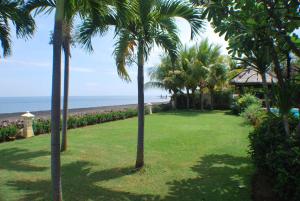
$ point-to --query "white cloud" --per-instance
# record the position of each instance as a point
(22, 63)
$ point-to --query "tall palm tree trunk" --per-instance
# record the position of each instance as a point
(55, 104)
(141, 119)
(187, 98)
(266, 92)
(66, 95)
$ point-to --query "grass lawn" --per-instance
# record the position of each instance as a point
(190, 156)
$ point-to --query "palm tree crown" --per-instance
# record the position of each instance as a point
(13, 11)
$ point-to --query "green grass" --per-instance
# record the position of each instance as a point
(190, 156)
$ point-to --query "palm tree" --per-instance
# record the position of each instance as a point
(216, 77)
(169, 76)
(141, 24)
(13, 11)
(82, 8)
(55, 103)
(186, 57)
(193, 71)
(211, 68)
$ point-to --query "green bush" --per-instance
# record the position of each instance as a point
(240, 104)
(222, 101)
(278, 156)
(8, 131)
(254, 114)
(161, 108)
(42, 126)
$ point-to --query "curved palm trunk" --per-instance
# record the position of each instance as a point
(55, 104)
(266, 91)
(187, 98)
(66, 96)
(141, 119)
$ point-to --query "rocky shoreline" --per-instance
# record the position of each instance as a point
(46, 114)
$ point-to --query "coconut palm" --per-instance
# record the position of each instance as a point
(216, 77)
(214, 71)
(168, 76)
(73, 8)
(193, 72)
(13, 12)
(141, 24)
(186, 58)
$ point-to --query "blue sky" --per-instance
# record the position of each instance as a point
(27, 72)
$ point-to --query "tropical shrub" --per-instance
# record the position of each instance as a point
(7, 132)
(240, 104)
(161, 108)
(222, 101)
(254, 114)
(278, 155)
(42, 126)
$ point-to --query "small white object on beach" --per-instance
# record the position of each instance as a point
(150, 107)
(27, 130)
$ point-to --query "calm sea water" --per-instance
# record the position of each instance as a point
(22, 104)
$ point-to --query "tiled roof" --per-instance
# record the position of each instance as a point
(250, 76)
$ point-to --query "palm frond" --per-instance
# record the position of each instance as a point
(152, 84)
(14, 12)
(182, 9)
(124, 48)
(5, 38)
(40, 6)
(169, 43)
(87, 30)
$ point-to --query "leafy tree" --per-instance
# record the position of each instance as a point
(284, 17)
(241, 19)
(12, 11)
(186, 58)
(216, 77)
(168, 75)
(212, 71)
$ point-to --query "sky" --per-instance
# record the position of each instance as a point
(28, 71)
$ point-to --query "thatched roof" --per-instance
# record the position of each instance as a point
(252, 77)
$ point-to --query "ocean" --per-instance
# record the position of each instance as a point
(33, 104)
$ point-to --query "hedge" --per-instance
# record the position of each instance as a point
(222, 101)
(10, 130)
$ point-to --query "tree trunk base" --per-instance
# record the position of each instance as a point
(139, 165)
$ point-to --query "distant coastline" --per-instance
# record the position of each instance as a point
(46, 113)
(37, 104)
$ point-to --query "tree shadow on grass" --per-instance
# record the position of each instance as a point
(189, 113)
(219, 178)
(79, 183)
(16, 159)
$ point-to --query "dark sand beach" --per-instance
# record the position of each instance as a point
(46, 114)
